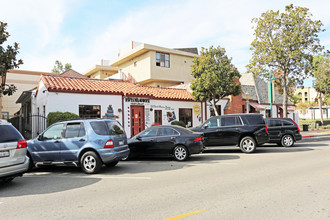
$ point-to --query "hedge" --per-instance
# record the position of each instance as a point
(310, 122)
(54, 117)
(180, 123)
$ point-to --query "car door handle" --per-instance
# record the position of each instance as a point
(82, 139)
(56, 142)
(172, 138)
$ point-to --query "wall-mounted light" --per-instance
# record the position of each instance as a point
(151, 109)
(119, 110)
(44, 91)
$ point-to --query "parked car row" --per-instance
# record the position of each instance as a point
(93, 142)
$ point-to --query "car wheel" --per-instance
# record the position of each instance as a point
(31, 164)
(112, 164)
(248, 145)
(90, 162)
(180, 153)
(287, 141)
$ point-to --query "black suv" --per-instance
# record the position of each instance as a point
(283, 131)
(244, 130)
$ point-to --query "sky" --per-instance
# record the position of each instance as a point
(83, 32)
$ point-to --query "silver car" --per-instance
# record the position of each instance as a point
(13, 159)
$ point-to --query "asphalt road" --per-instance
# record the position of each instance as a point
(273, 183)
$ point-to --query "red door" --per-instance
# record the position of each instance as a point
(137, 119)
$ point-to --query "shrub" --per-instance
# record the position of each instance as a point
(54, 117)
(180, 123)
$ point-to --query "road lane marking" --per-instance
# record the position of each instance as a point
(185, 215)
(93, 177)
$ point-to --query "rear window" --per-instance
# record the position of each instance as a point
(115, 128)
(107, 128)
(9, 134)
(230, 121)
(253, 119)
(275, 123)
(287, 123)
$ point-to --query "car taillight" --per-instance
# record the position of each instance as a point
(296, 125)
(199, 139)
(109, 144)
(21, 144)
(266, 128)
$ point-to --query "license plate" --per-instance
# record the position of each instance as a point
(4, 153)
(121, 142)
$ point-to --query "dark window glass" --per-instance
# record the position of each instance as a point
(253, 119)
(213, 122)
(166, 132)
(287, 123)
(89, 111)
(74, 130)
(228, 121)
(152, 132)
(100, 127)
(162, 59)
(158, 117)
(115, 128)
(8, 134)
(275, 123)
(54, 132)
(185, 115)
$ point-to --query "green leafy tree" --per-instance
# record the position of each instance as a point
(215, 77)
(285, 42)
(321, 71)
(8, 61)
(59, 68)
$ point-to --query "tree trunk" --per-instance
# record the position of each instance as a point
(285, 94)
(320, 107)
(0, 106)
(214, 107)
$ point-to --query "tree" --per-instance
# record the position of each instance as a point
(321, 71)
(58, 67)
(214, 76)
(8, 61)
(285, 42)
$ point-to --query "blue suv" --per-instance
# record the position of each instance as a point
(86, 143)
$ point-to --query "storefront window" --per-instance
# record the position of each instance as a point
(89, 111)
(185, 115)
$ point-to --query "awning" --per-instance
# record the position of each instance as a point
(256, 106)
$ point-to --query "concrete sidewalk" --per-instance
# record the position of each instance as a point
(315, 133)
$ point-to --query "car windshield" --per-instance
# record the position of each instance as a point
(9, 134)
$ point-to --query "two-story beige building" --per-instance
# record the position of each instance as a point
(307, 94)
(149, 65)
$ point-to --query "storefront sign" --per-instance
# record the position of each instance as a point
(128, 99)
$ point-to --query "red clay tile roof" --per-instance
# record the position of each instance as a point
(97, 86)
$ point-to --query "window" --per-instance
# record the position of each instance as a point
(100, 127)
(74, 130)
(167, 132)
(185, 115)
(115, 128)
(89, 111)
(152, 132)
(9, 134)
(158, 117)
(54, 132)
(230, 121)
(162, 59)
(275, 123)
(213, 122)
(287, 123)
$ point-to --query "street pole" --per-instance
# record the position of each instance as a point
(271, 91)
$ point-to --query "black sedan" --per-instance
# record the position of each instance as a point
(166, 140)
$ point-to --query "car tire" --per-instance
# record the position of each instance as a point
(180, 153)
(90, 162)
(112, 164)
(248, 145)
(279, 144)
(31, 164)
(287, 141)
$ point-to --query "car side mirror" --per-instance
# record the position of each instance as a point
(40, 138)
(205, 126)
(138, 138)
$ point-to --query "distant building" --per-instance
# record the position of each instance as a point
(307, 94)
(149, 65)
